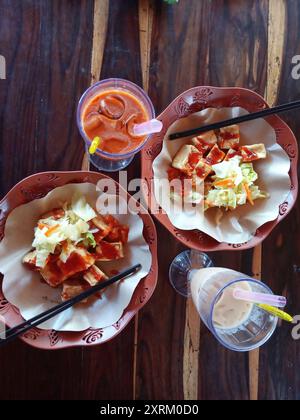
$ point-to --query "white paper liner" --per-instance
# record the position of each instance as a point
(240, 225)
(24, 288)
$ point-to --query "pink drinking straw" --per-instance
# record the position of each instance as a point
(277, 301)
(148, 127)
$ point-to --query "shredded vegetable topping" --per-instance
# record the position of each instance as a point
(71, 227)
(225, 168)
(70, 242)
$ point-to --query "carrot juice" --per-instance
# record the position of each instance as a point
(111, 115)
(108, 115)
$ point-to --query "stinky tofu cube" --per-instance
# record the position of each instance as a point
(202, 147)
(216, 155)
(205, 141)
(73, 287)
(104, 228)
(181, 160)
(229, 137)
(253, 152)
(118, 234)
(30, 260)
(109, 251)
(56, 271)
(94, 275)
(232, 153)
(111, 230)
(202, 170)
(118, 231)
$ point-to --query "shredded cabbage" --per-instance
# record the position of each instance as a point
(235, 194)
(249, 174)
(89, 240)
(222, 198)
(229, 169)
(230, 186)
(256, 193)
(82, 209)
(72, 227)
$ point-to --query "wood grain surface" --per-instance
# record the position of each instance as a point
(47, 69)
(54, 49)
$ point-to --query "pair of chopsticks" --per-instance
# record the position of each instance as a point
(238, 120)
(20, 329)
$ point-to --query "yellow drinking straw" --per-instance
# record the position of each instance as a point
(94, 145)
(276, 312)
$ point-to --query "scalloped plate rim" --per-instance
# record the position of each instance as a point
(129, 314)
(290, 199)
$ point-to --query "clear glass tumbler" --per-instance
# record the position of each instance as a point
(108, 161)
(238, 326)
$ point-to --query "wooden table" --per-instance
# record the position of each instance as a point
(54, 50)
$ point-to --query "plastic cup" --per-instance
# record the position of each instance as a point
(102, 160)
(253, 332)
(250, 331)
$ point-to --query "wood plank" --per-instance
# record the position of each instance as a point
(116, 54)
(101, 10)
(180, 374)
(145, 23)
(276, 26)
(100, 21)
(47, 49)
(122, 48)
(161, 334)
(276, 45)
(182, 55)
(67, 46)
(254, 355)
(279, 373)
(191, 352)
(171, 48)
(246, 25)
(238, 52)
(145, 33)
(224, 374)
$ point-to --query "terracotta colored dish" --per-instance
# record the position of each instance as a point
(37, 186)
(195, 100)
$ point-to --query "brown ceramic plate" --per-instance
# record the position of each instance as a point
(37, 186)
(195, 100)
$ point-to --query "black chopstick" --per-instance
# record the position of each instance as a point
(20, 329)
(238, 120)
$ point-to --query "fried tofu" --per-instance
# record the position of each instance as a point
(229, 137)
(181, 159)
(94, 275)
(232, 153)
(201, 147)
(73, 287)
(216, 155)
(76, 285)
(205, 141)
(118, 234)
(104, 228)
(110, 229)
(56, 272)
(253, 152)
(202, 170)
(109, 251)
(30, 260)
